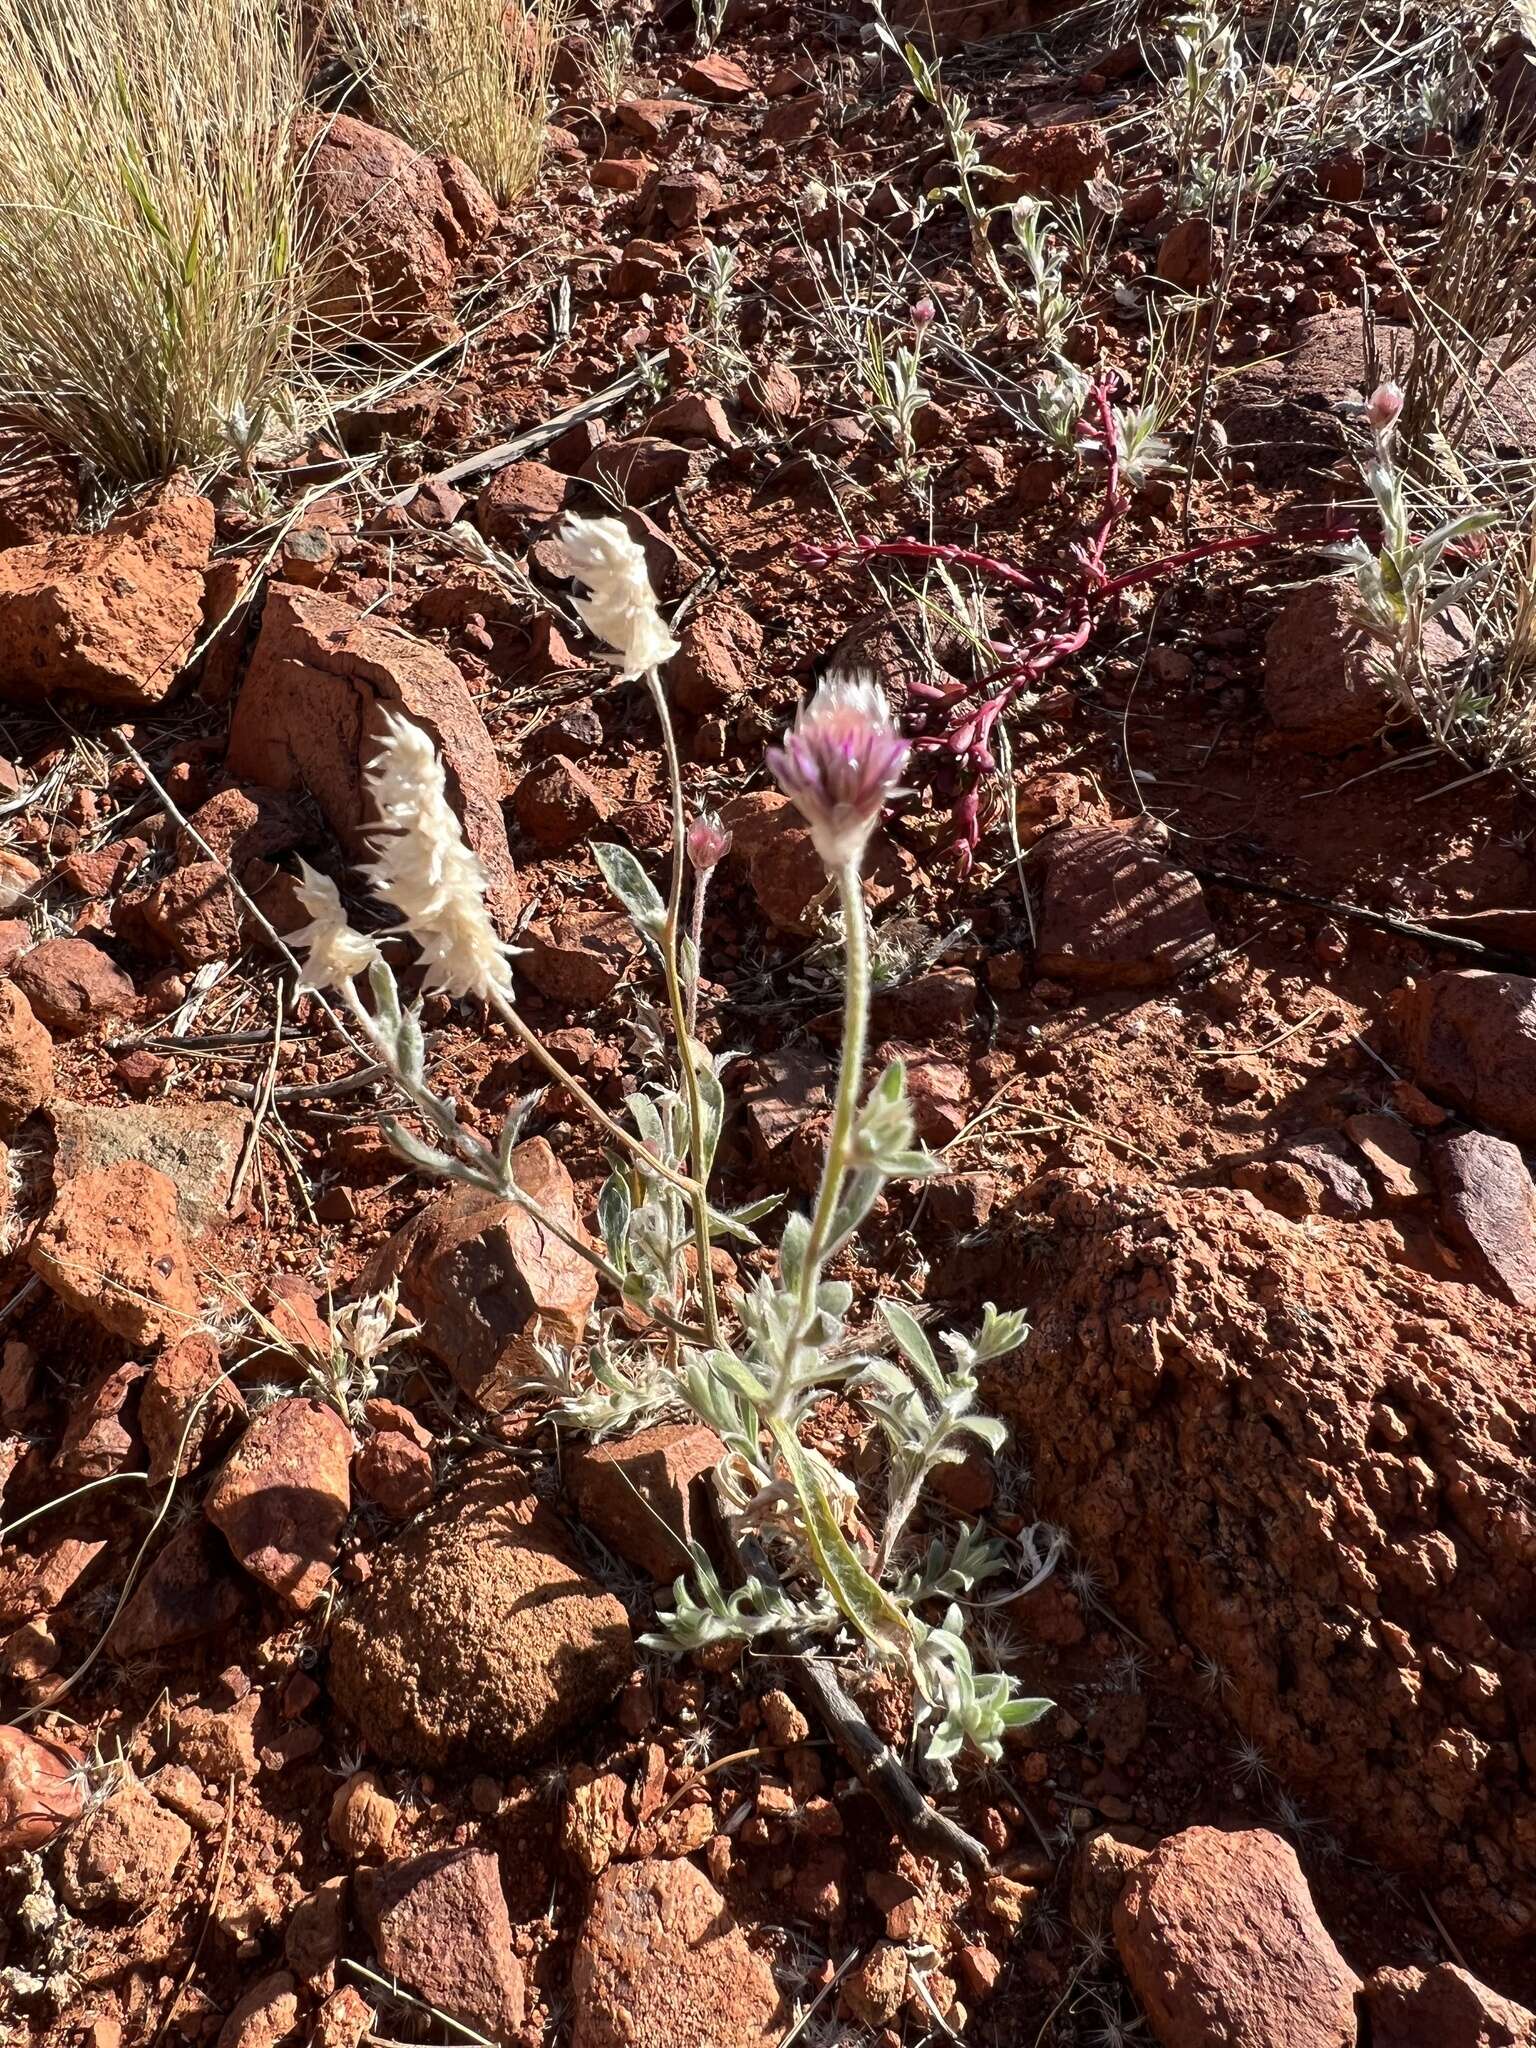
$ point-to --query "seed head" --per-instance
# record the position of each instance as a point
(708, 842)
(620, 607)
(840, 761)
(333, 951)
(422, 866)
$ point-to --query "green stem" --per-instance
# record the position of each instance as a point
(478, 1159)
(681, 1022)
(850, 896)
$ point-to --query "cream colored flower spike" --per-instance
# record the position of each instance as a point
(620, 607)
(333, 951)
(423, 868)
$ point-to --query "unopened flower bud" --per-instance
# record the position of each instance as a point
(840, 761)
(708, 842)
(922, 312)
(1383, 406)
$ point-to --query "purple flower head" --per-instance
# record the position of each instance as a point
(708, 842)
(840, 761)
(1383, 407)
(923, 312)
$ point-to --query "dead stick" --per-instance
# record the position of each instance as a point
(1404, 927)
(915, 1818)
(532, 439)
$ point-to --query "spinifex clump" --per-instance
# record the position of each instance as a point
(953, 724)
(753, 1364)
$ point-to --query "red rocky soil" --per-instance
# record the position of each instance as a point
(308, 1708)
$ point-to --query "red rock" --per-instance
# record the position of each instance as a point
(938, 1090)
(1224, 1948)
(123, 1855)
(1104, 1861)
(717, 663)
(26, 1058)
(476, 1637)
(187, 1409)
(643, 267)
(439, 1923)
(111, 1247)
(651, 119)
(581, 957)
(186, 1593)
(694, 417)
(1054, 160)
(792, 120)
(195, 1145)
(42, 1788)
(1191, 255)
(316, 1932)
(101, 1438)
(558, 804)
(715, 76)
(642, 468)
(1443, 2007)
(521, 495)
(1393, 1154)
(1319, 1403)
(575, 733)
(620, 173)
(309, 717)
(596, 1826)
(391, 227)
(771, 393)
(640, 1494)
(343, 2020)
(113, 615)
(1488, 1209)
(659, 1958)
(73, 985)
(1117, 914)
(1321, 688)
(281, 1498)
(395, 1473)
(267, 2016)
(15, 937)
(487, 1282)
(192, 915)
(1471, 1038)
(363, 1819)
(238, 825)
(687, 198)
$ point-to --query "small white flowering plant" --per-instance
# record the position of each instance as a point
(802, 1574)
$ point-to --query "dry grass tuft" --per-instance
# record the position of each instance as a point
(467, 76)
(151, 291)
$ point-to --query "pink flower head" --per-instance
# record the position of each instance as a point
(840, 761)
(922, 312)
(708, 842)
(1383, 407)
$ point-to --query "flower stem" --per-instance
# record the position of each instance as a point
(850, 897)
(682, 1019)
(480, 1162)
(531, 1042)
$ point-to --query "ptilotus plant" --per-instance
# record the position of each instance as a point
(952, 725)
(1401, 586)
(752, 1363)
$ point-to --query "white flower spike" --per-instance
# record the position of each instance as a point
(620, 607)
(423, 868)
(333, 951)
